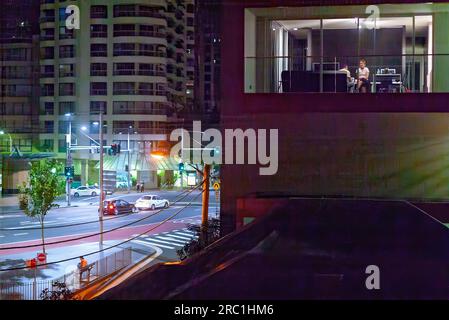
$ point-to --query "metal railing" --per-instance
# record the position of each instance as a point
(74, 281)
(422, 73)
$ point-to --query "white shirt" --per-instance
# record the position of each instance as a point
(363, 73)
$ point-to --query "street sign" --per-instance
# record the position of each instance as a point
(41, 257)
(216, 186)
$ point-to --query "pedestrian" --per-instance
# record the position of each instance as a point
(82, 264)
(142, 186)
(138, 187)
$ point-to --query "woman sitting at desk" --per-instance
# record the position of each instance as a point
(363, 77)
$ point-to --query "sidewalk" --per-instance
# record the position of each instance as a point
(57, 270)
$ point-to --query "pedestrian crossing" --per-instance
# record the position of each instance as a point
(172, 240)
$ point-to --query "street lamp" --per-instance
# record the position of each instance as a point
(68, 156)
(129, 161)
(10, 140)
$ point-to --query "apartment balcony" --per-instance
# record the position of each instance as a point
(341, 74)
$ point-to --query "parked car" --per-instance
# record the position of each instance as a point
(85, 191)
(151, 202)
(118, 206)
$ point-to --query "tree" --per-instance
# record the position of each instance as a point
(37, 197)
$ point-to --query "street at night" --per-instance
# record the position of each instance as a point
(219, 158)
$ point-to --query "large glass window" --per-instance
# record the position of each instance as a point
(343, 49)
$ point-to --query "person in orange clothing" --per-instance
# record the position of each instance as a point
(83, 263)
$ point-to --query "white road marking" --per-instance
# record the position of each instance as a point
(175, 241)
(157, 240)
(181, 237)
(186, 234)
(20, 234)
(146, 242)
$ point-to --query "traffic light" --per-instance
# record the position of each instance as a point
(69, 172)
(114, 150)
(181, 166)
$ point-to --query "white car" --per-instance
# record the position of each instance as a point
(85, 191)
(151, 202)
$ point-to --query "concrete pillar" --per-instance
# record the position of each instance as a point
(84, 172)
(441, 46)
(14, 173)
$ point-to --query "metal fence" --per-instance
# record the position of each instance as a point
(74, 280)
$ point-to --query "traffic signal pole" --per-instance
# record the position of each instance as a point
(205, 208)
(100, 211)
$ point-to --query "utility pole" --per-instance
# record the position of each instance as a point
(205, 208)
(100, 211)
(69, 161)
(129, 168)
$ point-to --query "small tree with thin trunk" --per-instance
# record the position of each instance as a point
(37, 196)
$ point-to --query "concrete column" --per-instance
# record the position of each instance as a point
(441, 46)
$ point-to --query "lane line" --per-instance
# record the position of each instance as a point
(20, 234)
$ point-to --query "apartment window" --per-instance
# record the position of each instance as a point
(66, 107)
(66, 89)
(122, 30)
(62, 145)
(98, 12)
(190, 22)
(99, 69)
(98, 31)
(49, 127)
(124, 88)
(147, 11)
(125, 10)
(46, 145)
(121, 126)
(98, 88)
(65, 33)
(124, 49)
(161, 89)
(48, 108)
(98, 50)
(121, 69)
(145, 88)
(66, 70)
(47, 53)
(67, 51)
(48, 89)
(97, 106)
(138, 107)
(47, 34)
(190, 8)
(47, 71)
(63, 15)
(48, 15)
(136, 11)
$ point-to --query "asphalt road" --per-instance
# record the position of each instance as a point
(73, 226)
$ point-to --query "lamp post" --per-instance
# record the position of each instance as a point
(129, 161)
(68, 157)
(102, 197)
(10, 140)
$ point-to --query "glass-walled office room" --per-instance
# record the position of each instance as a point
(348, 49)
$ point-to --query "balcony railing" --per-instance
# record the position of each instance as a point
(141, 33)
(419, 73)
(146, 53)
(133, 72)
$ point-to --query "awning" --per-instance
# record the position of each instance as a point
(137, 162)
